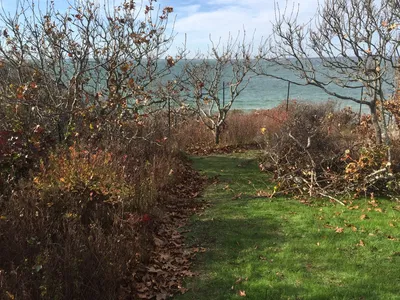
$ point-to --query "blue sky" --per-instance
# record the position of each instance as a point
(200, 18)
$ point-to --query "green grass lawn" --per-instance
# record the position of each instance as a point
(281, 248)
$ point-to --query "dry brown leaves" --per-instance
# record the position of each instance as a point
(207, 150)
(170, 258)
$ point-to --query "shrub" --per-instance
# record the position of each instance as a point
(241, 128)
(305, 152)
(75, 231)
(244, 128)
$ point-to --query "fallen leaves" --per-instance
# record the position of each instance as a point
(353, 207)
(373, 203)
(199, 249)
(158, 242)
(238, 196)
(169, 262)
(207, 150)
(263, 194)
(239, 280)
(339, 230)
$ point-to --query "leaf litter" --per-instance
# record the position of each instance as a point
(170, 260)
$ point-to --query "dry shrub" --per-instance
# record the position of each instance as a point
(369, 171)
(306, 151)
(321, 151)
(75, 230)
(82, 224)
(189, 132)
(244, 128)
(240, 129)
(49, 253)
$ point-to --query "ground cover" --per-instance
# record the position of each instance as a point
(283, 248)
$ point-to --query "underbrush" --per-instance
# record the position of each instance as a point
(321, 151)
(78, 219)
(241, 130)
(85, 204)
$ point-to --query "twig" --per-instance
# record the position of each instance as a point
(376, 173)
(313, 175)
(332, 198)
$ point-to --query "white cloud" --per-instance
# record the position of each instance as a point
(223, 17)
(199, 19)
(188, 10)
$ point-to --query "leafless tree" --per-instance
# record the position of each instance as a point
(103, 60)
(227, 66)
(348, 44)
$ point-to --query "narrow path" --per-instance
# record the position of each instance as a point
(280, 248)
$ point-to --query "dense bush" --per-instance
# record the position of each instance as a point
(77, 229)
(84, 161)
(319, 150)
(241, 129)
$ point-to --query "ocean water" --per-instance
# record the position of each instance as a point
(265, 92)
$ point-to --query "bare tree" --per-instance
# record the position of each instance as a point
(350, 44)
(89, 60)
(227, 67)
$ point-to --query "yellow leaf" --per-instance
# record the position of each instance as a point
(339, 230)
(242, 293)
(125, 68)
(353, 207)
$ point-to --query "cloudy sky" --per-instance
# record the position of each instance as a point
(199, 19)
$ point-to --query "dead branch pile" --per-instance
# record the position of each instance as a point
(321, 151)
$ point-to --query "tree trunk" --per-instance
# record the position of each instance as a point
(375, 123)
(217, 134)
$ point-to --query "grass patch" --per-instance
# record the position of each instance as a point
(283, 249)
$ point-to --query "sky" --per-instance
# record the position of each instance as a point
(198, 19)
